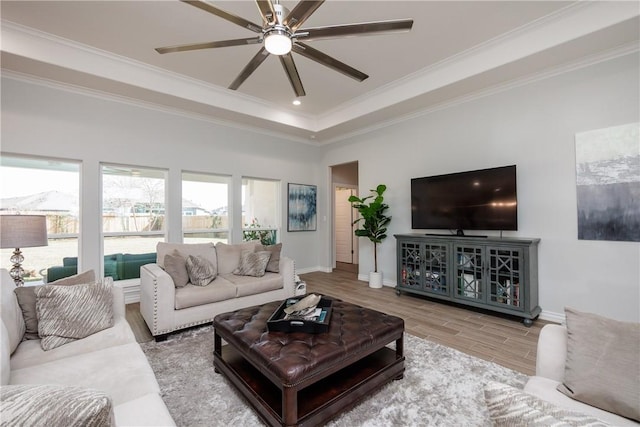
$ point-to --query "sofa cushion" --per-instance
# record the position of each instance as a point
(5, 355)
(54, 405)
(201, 272)
(207, 250)
(545, 389)
(274, 261)
(602, 367)
(252, 263)
(27, 299)
(249, 285)
(10, 311)
(509, 406)
(192, 296)
(68, 313)
(122, 372)
(229, 255)
(30, 353)
(176, 266)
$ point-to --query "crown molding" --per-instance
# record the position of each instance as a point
(569, 23)
(47, 48)
(618, 52)
(566, 24)
(84, 91)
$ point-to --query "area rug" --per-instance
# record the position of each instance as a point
(441, 387)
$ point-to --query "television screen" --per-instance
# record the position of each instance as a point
(476, 200)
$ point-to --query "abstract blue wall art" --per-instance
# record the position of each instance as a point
(302, 213)
(608, 183)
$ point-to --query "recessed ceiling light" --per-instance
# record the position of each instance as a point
(296, 102)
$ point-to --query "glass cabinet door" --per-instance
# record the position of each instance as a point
(435, 268)
(410, 259)
(469, 274)
(504, 277)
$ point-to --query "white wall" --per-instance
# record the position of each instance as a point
(532, 126)
(46, 121)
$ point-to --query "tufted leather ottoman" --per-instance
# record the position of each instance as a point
(299, 379)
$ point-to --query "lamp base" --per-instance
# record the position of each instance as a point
(17, 272)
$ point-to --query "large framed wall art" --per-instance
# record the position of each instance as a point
(301, 207)
(608, 183)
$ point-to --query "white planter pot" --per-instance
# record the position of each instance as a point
(375, 279)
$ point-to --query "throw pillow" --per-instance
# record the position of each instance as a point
(252, 263)
(602, 367)
(54, 405)
(176, 266)
(201, 272)
(69, 313)
(207, 250)
(27, 300)
(229, 255)
(88, 276)
(274, 262)
(509, 407)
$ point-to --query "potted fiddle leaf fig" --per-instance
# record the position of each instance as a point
(373, 225)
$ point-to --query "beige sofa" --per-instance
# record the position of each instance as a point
(109, 361)
(167, 308)
(550, 372)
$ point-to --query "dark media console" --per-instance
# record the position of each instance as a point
(498, 274)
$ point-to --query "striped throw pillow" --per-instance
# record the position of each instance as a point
(54, 405)
(201, 271)
(68, 313)
(509, 407)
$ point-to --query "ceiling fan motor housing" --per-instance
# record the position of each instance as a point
(277, 36)
(281, 12)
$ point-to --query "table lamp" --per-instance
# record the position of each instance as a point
(21, 231)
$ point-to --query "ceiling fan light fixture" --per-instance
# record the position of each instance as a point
(277, 42)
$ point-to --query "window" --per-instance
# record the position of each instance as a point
(133, 210)
(260, 210)
(37, 186)
(205, 208)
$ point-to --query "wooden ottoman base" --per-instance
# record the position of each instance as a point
(326, 388)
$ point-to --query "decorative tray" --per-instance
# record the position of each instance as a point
(316, 323)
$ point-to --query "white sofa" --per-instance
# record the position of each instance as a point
(110, 361)
(167, 308)
(550, 370)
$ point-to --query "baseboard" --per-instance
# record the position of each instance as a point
(313, 269)
(553, 317)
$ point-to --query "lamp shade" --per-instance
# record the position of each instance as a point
(23, 231)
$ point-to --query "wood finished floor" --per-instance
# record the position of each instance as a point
(499, 339)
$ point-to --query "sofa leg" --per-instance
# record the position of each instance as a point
(160, 338)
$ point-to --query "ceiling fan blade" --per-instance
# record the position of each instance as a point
(300, 13)
(324, 59)
(292, 72)
(347, 30)
(249, 68)
(208, 45)
(208, 7)
(267, 11)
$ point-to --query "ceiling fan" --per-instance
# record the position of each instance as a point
(281, 34)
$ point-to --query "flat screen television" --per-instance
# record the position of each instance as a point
(483, 199)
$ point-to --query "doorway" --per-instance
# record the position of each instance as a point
(345, 243)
